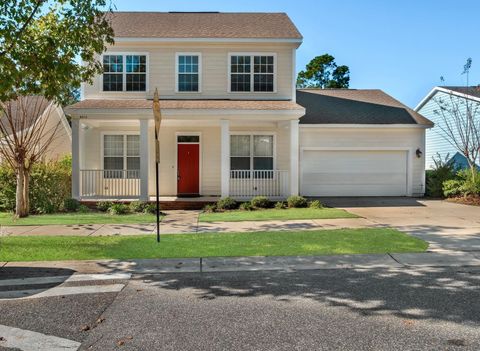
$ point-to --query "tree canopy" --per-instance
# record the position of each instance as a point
(323, 72)
(42, 43)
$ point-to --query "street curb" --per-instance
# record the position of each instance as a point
(271, 263)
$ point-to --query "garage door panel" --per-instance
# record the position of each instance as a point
(354, 173)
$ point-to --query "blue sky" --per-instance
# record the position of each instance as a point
(402, 46)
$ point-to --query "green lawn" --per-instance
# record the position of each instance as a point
(295, 243)
(76, 218)
(274, 214)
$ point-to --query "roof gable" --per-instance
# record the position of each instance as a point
(208, 25)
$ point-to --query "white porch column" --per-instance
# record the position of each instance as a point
(225, 157)
(294, 154)
(144, 159)
(76, 158)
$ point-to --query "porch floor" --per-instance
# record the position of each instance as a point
(166, 202)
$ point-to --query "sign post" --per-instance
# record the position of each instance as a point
(158, 120)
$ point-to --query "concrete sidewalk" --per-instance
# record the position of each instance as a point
(425, 260)
(182, 222)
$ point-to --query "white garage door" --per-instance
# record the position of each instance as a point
(354, 173)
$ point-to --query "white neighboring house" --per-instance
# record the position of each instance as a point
(231, 120)
(429, 107)
(61, 146)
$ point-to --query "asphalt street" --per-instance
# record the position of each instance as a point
(340, 309)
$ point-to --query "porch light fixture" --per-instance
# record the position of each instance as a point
(419, 153)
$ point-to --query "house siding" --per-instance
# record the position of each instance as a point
(214, 71)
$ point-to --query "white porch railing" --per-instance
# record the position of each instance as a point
(246, 184)
(100, 183)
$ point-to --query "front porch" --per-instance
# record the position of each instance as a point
(99, 146)
(203, 154)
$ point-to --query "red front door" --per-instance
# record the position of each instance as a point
(188, 169)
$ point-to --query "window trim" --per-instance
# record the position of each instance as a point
(252, 156)
(200, 71)
(124, 134)
(124, 73)
(252, 73)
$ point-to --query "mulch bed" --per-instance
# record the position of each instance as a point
(473, 200)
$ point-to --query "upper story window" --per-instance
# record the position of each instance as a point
(188, 72)
(124, 72)
(252, 73)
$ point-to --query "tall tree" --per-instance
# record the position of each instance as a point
(460, 121)
(323, 72)
(41, 45)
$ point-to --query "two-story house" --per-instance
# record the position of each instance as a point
(231, 124)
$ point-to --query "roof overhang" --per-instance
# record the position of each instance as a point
(366, 126)
(207, 40)
(444, 90)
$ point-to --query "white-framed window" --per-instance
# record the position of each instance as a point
(125, 72)
(252, 72)
(188, 72)
(251, 152)
(121, 156)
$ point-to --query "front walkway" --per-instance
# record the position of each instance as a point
(181, 222)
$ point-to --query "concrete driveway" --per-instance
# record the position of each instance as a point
(447, 226)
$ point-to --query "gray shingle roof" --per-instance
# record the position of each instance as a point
(203, 25)
(352, 106)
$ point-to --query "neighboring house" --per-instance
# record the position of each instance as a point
(429, 107)
(231, 124)
(55, 119)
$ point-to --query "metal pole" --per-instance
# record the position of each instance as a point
(158, 202)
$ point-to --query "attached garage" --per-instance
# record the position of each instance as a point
(354, 173)
(360, 143)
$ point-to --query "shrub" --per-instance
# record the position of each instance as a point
(260, 202)
(442, 171)
(137, 206)
(226, 203)
(118, 209)
(280, 205)
(71, 205)
(83, 209)
(247, 206)
(7, 188)
(150, 208)
(210, 208)
(104, 206)
(453, 187)
(315, 204)
(297, 202)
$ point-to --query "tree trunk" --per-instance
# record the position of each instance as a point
(20, 194)
(26, 191)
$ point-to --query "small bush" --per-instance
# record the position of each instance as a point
(104, 206)
(83, 209)
(137, 206)
(118, 209)
(316, 204)
(453, 187)
(226, 203)
(150, 208)
(210, 208)
(260, 202)
(247, 206)
(297, 202)
(442, 171)
(280, 205)
(71, 205)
